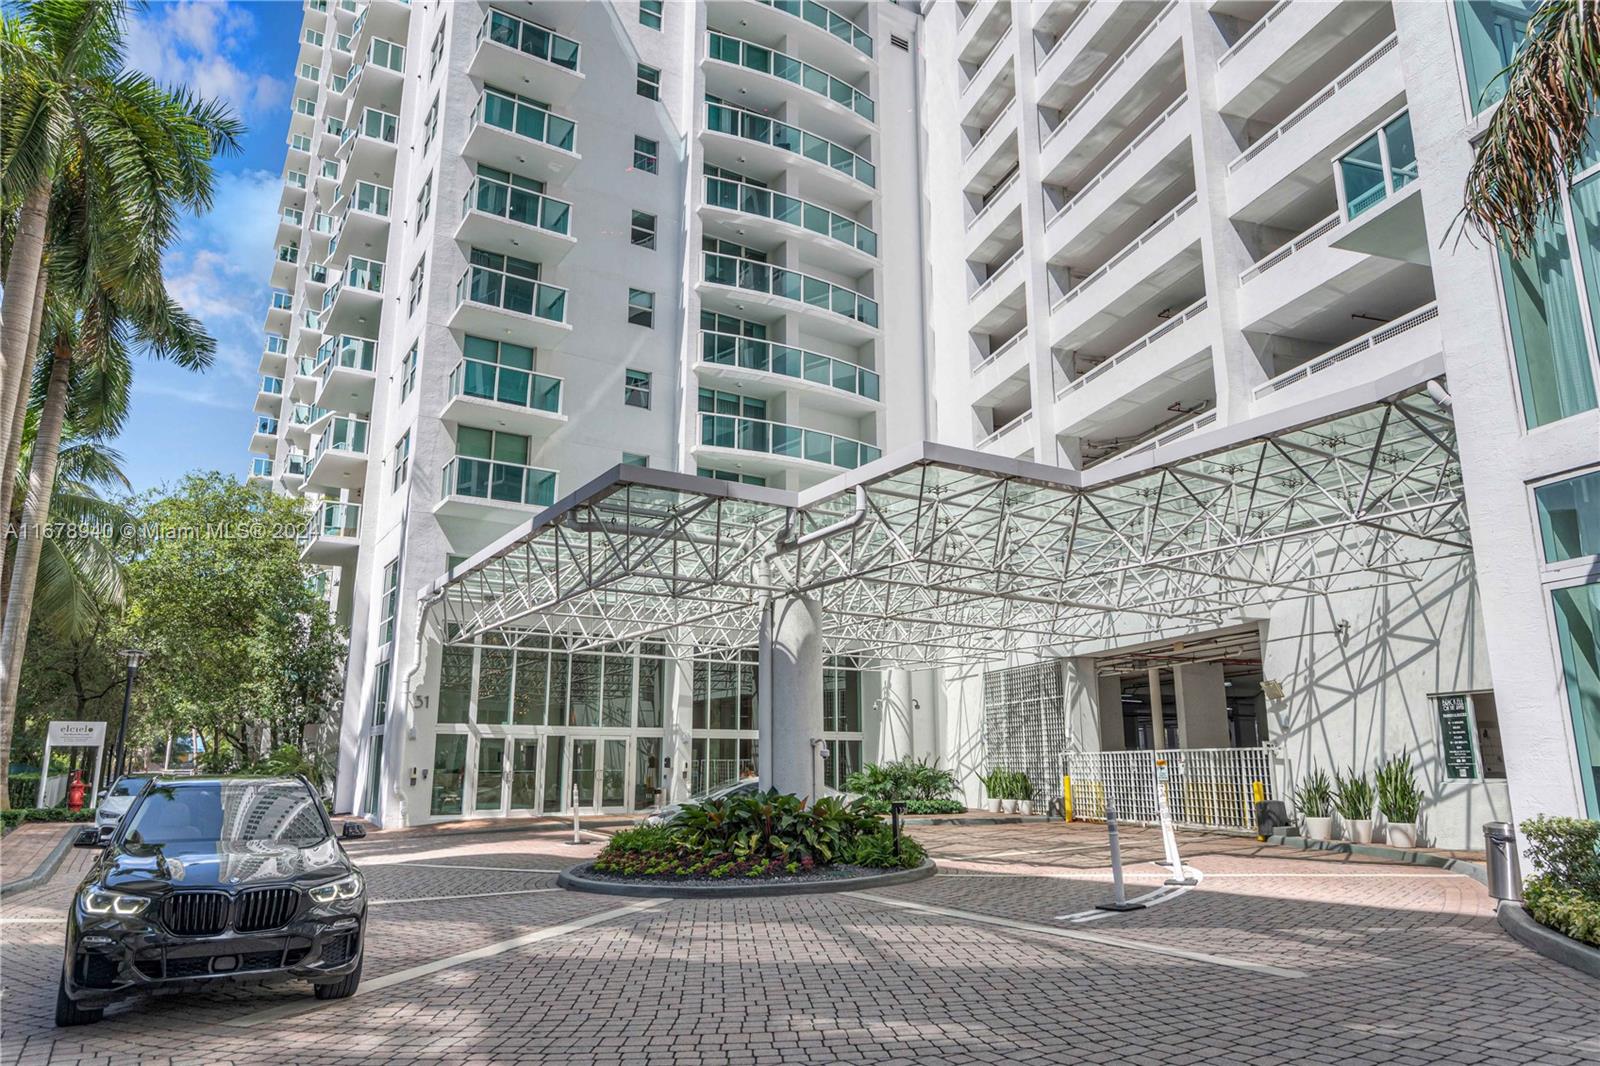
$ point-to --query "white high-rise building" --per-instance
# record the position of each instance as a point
(774, 241)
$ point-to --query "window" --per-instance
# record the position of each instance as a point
(402, 460)
(646, 154)
(1569, 517)
(641, 308)
(635, 459)
(414, 297)
(408, 372)
(380, 695)
(300, 142)
(1577, 610)
(424, 201)
(636, 389)
(729, 475)
(390, 601)
(650, 13)
(643, 233)
(436, 52)
(648, 83)
(1491, 33)
(430, 123)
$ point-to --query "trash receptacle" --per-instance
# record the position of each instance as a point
(1505, 870)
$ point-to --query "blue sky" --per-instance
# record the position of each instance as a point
(244, 53)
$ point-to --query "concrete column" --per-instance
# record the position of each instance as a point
(1202, 705)
(895, 731)
(793, 656)
(925, 693)
(1113, 734)
(1158, 721)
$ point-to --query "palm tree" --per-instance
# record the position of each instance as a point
(1537, 137)
(65, 98)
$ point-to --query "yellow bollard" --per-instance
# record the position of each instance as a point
(1258, 794)
(1066, 798)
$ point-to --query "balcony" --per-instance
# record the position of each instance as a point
(1094, 40)
(496, 396)
(1010, 439)
(999, 296)
(981, 26)
(333, 535)
(304, 422)
(992, 86)
(339, 458)
(765, 369)
(514, 51)
(363, 220)
(480, 499)
(730, 438)
(1171, 362)
(261, 469)
(345, 375)
(828, 21)
(355, 300)
(494, 303)
(269, 395)
(1411, 341)
(265, 436)
(842, 313)
(367, 148)
(1294, 50)
(993, 152)
(1379, 198)
(513, 133)
(294, 469)
(997, 220)
(275, 355)
(850, 178)
(1279, 177)
(742, 58)
(831, 240)
(1003, 362)
(507, 218)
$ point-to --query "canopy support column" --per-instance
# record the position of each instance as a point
(895, 732)
(790, 708)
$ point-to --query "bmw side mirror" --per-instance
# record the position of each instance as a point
(87, 838)
(353, 831)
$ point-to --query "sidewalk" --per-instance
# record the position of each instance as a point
(25, 847)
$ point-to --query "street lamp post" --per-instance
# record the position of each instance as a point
(132, 655)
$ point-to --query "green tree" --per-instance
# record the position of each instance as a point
(1542, 129)
(241, 646)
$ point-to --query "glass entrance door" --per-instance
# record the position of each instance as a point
(614, 775)
(557, 786)
(489, 795)
(525, 775)
(585, 770)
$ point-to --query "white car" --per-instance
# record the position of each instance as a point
(738, 788)
(116, 800)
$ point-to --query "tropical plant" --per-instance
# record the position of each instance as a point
(903, 780)
(877, 850)
(1399, 798)
(1564, 892)
(1544, 127)
(1314, 797)
(1352, 796)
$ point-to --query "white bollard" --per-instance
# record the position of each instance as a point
(1119, 896)
(1169, 839)
(577, 837)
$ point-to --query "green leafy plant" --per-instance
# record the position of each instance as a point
(877, 850)
(1567, 850)
(22, 789)
(1399, 797)
(1314, 797)
(10, 819)
(905, 780)
(1353, 796)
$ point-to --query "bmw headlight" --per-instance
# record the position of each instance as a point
(99, 901)
(344, 888)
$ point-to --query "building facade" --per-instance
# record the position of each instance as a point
(771, 241)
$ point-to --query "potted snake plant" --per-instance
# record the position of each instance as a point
(1024, 789)
(1352, 798)
(1314, 797)
(994, 786)
(1400, 800)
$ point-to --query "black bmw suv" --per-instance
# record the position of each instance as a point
(209, 879)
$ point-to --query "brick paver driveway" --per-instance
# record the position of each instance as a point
(474, 956)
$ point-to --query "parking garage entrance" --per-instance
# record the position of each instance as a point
(1201, 691)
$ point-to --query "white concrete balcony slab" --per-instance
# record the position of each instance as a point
(1151, 69)
(269, 396)
(1295, 49)
(1106, 213)
(1000, 365)
(768, 370)
(1002, 295)
(829, 38)
(493, 304)
(530, 226)
(496, 397)
(333, 536)
(998, 222)
(1175, 353)
(1094, 39)
(361, 232)
(480, 500)
(991, 88)
(769, 449)
(274, 362)
(264, 437)
(1151, 268)
(350, 307)
(532, 156)
(527, 57)
(983, 24)
(345, 385)
(1014, 439)
(755, 145)
(1293, 159)
(769, 92)
(734, 286)
(994, 153)
(824, 238)
(1412, 339)
(339, 459)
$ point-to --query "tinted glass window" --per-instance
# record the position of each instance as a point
(228, 812)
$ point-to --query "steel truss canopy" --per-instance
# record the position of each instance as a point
(946, 556)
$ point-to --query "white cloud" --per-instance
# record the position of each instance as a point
(207, 45)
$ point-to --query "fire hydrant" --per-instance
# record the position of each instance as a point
(75, 791)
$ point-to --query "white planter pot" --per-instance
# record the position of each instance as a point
(1401, 834)
(1024, 806)
(1009, 806)
(1358, 830)
(1319, 828)
(992, 805)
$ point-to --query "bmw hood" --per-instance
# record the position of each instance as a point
(200, 864)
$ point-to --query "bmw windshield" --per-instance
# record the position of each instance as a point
(227, 813)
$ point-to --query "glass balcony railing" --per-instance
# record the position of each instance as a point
(303, 414)
(752, 126)
(272, 386)
(485, 479)
(367, 196)
(305, 366)
(1378, 167)
(282, 301)
(311, 321)
(512, 292)
(362, 275)
(824, 19)
(294, 465)
(288, 253)
(754, 200)
(334, 519)
(345, 352)
(729, 349)
(344, 434)
(261, 466)
(507, 201)
(293, 216)
(531, 38)
(754, 57)
(378, 125)
(525, 118)
(791, 285)
(267, 426)
(506, 384)
(277, 344)
(779, 438)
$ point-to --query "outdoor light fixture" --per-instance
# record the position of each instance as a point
(1273, 690)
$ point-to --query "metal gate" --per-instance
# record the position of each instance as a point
(1207, 788)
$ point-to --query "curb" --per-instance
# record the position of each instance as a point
(572, 880)
(1474, 870)
(1558, 947)
(47, 868)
